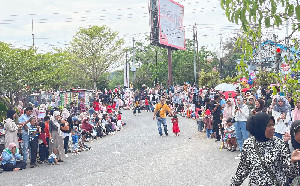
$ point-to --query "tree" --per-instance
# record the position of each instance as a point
(96, 50)
(209, 79)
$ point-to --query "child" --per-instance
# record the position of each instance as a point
(230, 131)
(33, 131)
(175, 125)
(75, 142)
(147, 104)
(208, 123)
(53, 157)
(43, 145)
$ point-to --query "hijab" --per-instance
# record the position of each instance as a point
(284, 108)
(11, 146)
(228, 110)
(261, 107)
(242, 103)
(295, 125)
(10, 114)
(257, 125)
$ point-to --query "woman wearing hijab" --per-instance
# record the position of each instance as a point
(259, 106)
(87, 128)
(10, 155)
(282, 117)
(56, 137)
(241, 114)
(294, 143)
(11, 129)
(265, 158)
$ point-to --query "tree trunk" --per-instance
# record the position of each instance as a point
(95, 86)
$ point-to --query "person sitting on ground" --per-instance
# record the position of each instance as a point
(86, 128)
(53, 157)
(10, 155)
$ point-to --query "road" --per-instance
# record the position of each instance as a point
(137, 155)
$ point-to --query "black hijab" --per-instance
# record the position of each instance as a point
(294, 128)
(257, 125)
(261, 107)
(10, 114)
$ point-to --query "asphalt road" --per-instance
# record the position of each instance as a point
(137, 155)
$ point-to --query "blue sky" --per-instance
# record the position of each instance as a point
(56, 21)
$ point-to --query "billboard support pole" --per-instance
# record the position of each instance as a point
(170, 73)
(194, 36)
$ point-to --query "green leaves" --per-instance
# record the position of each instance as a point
(297, 9)
(267, 22)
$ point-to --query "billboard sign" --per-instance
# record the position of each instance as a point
(171, 30)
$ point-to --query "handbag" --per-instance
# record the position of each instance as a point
(263, 164)
(158, 111)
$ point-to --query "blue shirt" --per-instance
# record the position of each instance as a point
(75, 139)
(8, 157)
(23, 119)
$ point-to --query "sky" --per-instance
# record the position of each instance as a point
(55, 22)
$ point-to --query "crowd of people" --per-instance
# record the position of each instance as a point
(263, 126)
(48, 137)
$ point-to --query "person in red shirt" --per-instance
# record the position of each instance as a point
(108, 108)
(147, 105)
(43, 147)
(175, 125)
(46, 121)
(96, 105)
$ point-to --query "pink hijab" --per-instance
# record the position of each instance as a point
(11, 146)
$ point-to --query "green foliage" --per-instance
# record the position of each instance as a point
(267, 78)
(95, 50)
(209, 79)
(3, 110)
(115, 78)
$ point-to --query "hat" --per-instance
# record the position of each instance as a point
(207, 112)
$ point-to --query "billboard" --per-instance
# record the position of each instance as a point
(171, 30)
(167, 24)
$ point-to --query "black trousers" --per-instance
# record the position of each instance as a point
(108, 128)
(216, 128)
(10, 167)
(66, 144)
(43, 152)
(33, 150)
(138, 108)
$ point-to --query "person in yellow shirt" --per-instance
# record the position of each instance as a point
(160, 114)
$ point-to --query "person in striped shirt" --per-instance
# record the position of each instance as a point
(33, 132)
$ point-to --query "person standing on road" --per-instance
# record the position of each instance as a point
(24, 122)
(241, 114)
(216, 109)
(160, 114)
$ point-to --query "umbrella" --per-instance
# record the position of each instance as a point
(225, 87)
(227, 92)
(245, 89)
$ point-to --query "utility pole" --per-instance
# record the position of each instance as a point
(32, 34)
(126, 73)
(133, 60)
(277, 59)
(194, 36)
(155, 67)
(221, 63)
(260, 56)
